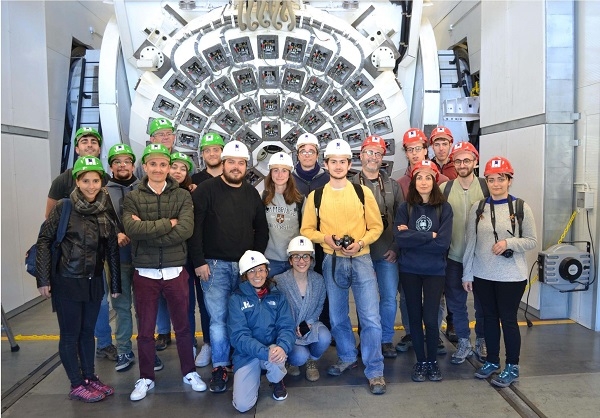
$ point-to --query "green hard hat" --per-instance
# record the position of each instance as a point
(160, 123)
(156, 149)
(180, 156)
(120, 149)
(87, 163)
(86, 130)
(210, 139)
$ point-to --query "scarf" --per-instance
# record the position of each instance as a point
(99, 208)
(307, 175)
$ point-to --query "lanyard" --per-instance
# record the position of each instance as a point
(512, 216)
(381, 187)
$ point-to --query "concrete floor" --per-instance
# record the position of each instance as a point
(560, 377)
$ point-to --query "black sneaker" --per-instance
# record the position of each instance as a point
(158, 364)
(124, 361)
(162, 341)
(441, 348)
(433, 371)
(218, 381)
(404, 344)
(419, 371)
(279, 391)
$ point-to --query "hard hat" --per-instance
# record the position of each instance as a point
(281, 158)
(463, 147)
(87, 163)
(338, 147)
(414, 135)
(156, 149)
(300, 244)
(120, 149)
(498, 165)
(374, 140)
(307, 138)
(235, 149)
(86, 130)
(426, 166)
(441, 132)
(210, 139)
(160, 123)
(251, 259)
(180, 156)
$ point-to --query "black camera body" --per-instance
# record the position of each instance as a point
(344, 242)
(507, 253)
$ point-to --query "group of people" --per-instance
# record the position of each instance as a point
(271, 274)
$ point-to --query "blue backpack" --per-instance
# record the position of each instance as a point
(55, 249)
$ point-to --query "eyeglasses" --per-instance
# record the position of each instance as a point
(123, 163)
(307, 152)
(414, 149)
(466, 161)
(254, 272)
(372, 153)
(497, 180)
(297, 257)
(163, 135)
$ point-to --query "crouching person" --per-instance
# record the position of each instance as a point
(305, 292)
(261, 331)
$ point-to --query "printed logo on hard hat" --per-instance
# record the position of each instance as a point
(87, 129)
(458, 145)
(119, 148)
(440, 130)
(496, 163)
(412, 134)
(252, 259)
(209, 137)
(163, 122)
(156, 147)
(301, 242)
(90, 161)
(338, 145)
(423, 223)
(426, 163)
(281, 156)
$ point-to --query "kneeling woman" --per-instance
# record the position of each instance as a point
(77, 286)
(261, 332)
(305, 292)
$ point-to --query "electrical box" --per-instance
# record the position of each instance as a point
(564, 264)
(585, 200)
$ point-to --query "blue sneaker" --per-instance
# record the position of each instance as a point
(509, 375)
(124, 361)
(486, 370)
(158, 364)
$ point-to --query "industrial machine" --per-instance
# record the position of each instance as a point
(564, 264)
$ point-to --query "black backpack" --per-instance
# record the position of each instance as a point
(519, 214)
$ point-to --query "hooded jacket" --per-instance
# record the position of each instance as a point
(117, 194)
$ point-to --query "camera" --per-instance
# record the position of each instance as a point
(507, 253)
(385, 221)
(344, 242)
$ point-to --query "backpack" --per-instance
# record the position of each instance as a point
(319, 196)
(55, 249)
(482, 183)
(519, 213)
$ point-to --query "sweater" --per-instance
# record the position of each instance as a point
(254, 324)
(388, 205)
(306, 185)
(448, 169)
(461, 201)
(404, 182)
(155, 243)
(228, 221)
(479, 260)
(304, 309)
(342, 213)
(284, 225)
(420, 253)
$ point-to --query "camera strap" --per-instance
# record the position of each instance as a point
(382, 191)
(511, 210)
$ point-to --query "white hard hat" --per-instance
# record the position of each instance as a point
(281, 158)
(338, 147)
(235, 149)
(251, 259)
(300, 244)
(307, 138)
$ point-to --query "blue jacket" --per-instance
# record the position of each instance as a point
(255, 324)
(420, 253)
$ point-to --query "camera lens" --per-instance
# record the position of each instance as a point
(508, 253)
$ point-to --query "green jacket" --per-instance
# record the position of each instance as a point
(155, 244)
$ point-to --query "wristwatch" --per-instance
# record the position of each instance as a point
(361, 245)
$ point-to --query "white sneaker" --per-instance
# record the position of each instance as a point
(194, 379)
(204, 356)
(142, 386)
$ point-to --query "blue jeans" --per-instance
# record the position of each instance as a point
(122, 307)
(301, 353)
(387, 281)
(277, 267)
(102, 330)
(456, 299)
(163, 320)
(222, 281)
(357, 273)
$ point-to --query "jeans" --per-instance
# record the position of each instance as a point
(204, 316)
(387, 281)
(147, 292)
(222, 281)
(102, 329)
(423, 294)
(456, 299)
(246, 382)
(76, 345)
(277, 267)
(357, 273)
(301, 353)
(163, 320)
(500, 303)
(122, 307)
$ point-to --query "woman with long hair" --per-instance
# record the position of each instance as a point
(77, 287)
(424, 231)
(283, 204)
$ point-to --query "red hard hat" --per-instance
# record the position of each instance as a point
(441, 132)
(463, 147)
(374, 140)
(414, 135)
(498, 165)
(428, 167)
